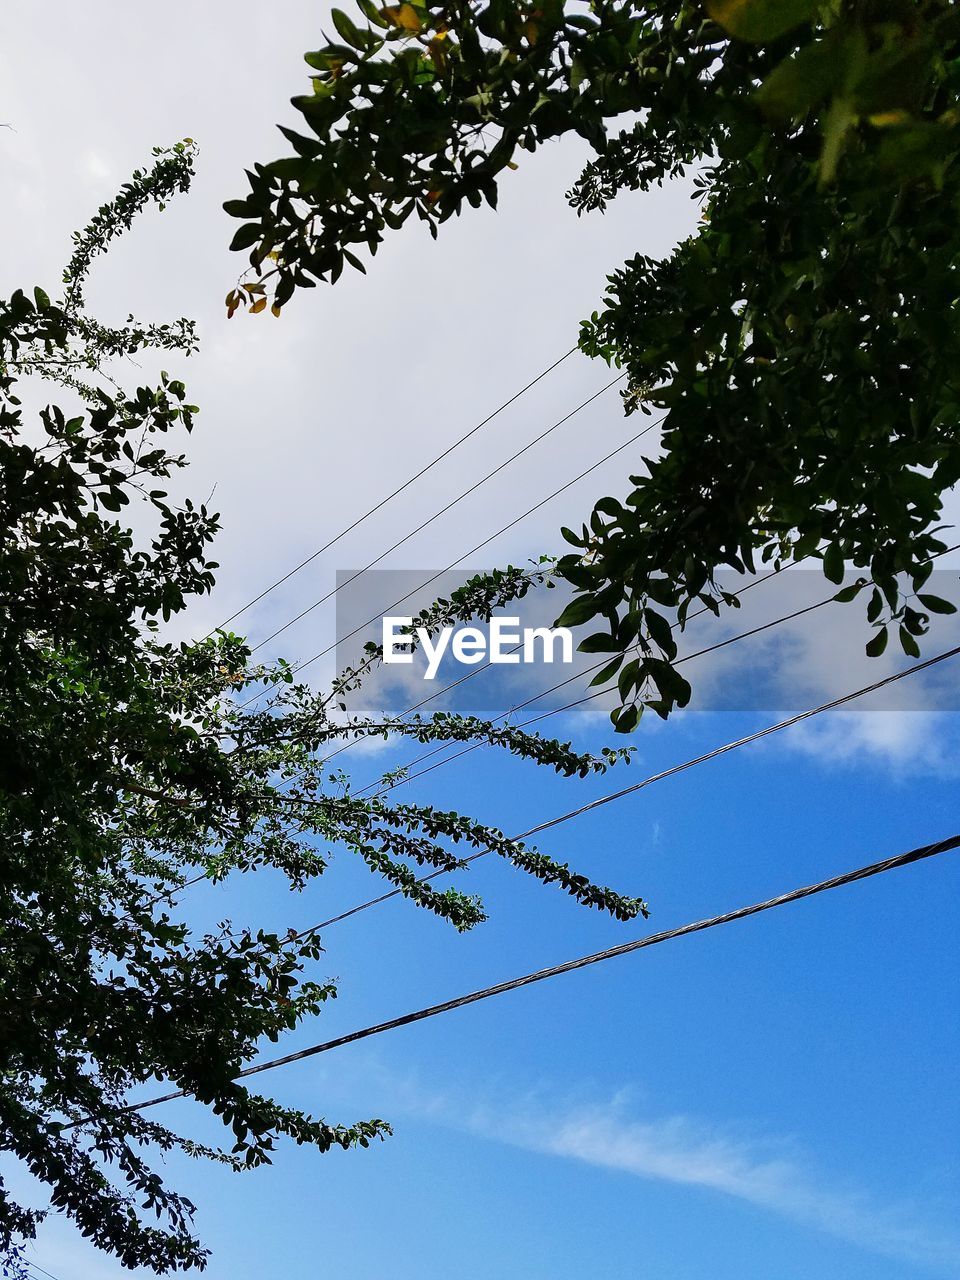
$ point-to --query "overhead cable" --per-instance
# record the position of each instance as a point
(569, 966)
(390, 496)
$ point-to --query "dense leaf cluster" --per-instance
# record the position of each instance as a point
(803, 345)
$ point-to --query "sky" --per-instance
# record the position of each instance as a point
(774, 1098)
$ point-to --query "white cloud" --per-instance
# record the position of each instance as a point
(94, 166)
(903, 742)
(689, 1152)
(771, 1172)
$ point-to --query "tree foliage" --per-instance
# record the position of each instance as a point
(131, 765)
(802, 346)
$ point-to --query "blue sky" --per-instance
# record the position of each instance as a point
(775, 1098)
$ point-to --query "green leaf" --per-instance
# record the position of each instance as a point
(246, 236)
(851, 592)
(660, 631)
(113, 499)
(625, 719)
(372, 13)
(937, 605)
(921, 574)
(802, 82)
(663, 591)
(628, 678)
(599, 642)
(833, 566)
(918, 624)
(578, 611)
(917, 149)
(239, 208)
(347, 30)
(877, 645)
(760, 21)
(609, 507)
(608, 672)
(908, 643)
(682, 691)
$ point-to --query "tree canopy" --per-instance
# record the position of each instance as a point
(802, 347)
(133, 765)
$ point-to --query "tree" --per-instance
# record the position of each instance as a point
(803, 345)
(132, 765)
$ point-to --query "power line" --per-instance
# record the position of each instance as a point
(646, 782)
(476, 671)
(466, 555)
(554, 711)
(37, 1267)
(560, 684)
(436, 515)
(390, 496)
(743, 635)
(598, 693)
(524, 724)
(633, 439)
(672, 771)
(653, 778)
(569, 966)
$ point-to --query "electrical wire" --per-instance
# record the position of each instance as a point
(297, 667)
(569, 966)
(524, 724)
(390, 496)
(476, 671)
(554, 711)
(36, 1267)
(597, 693)
(436, 516)
(626, 444)
(726, 747)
